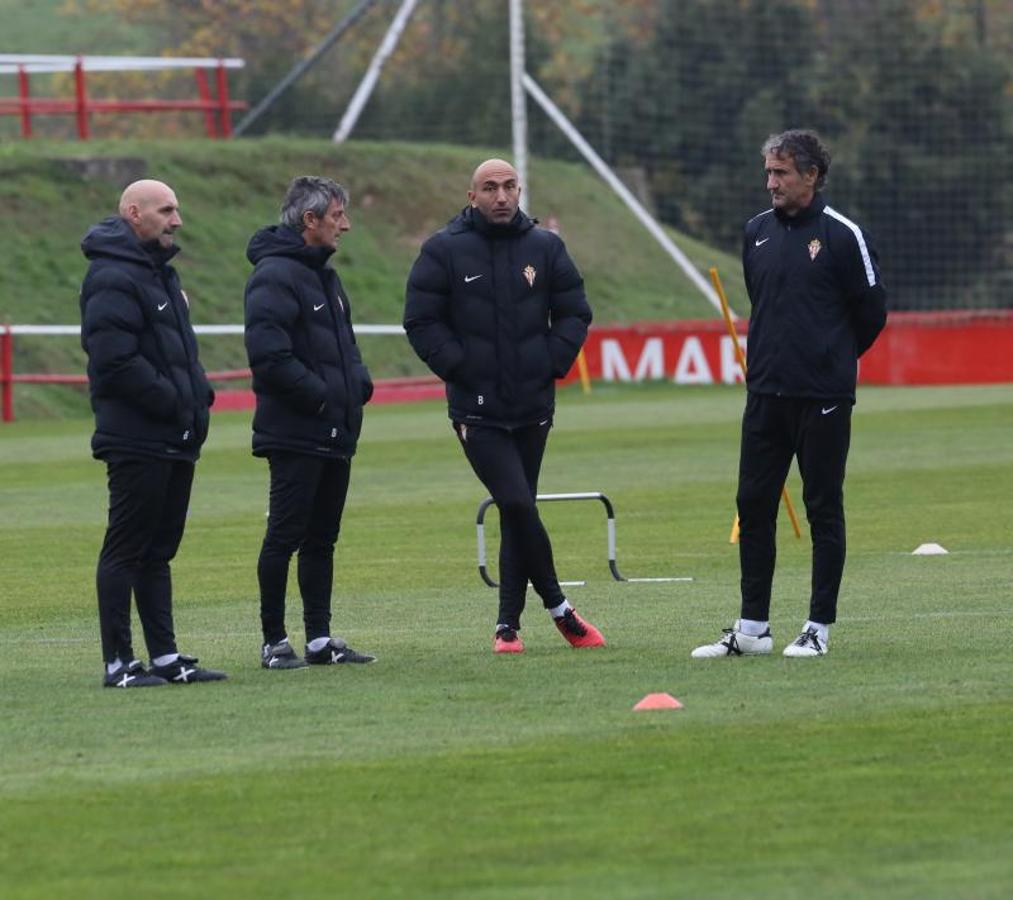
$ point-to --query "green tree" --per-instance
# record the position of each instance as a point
(691, 104)
(912, 96)
(918, 111)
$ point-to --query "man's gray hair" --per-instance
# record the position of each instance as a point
(310, 193)
(805, 147)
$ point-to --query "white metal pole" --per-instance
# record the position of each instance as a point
(303, 66)
(599, 165)
(365, 88)
(518, 99)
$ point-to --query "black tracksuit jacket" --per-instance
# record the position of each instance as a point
(498, 312)
(818, 302)
(308, 374)
(148, 389)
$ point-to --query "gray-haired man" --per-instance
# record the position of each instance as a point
(311, 385)
(818, 304)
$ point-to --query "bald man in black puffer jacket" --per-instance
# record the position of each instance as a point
(496, 308)
(151, 398)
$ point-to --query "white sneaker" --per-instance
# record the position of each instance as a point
(808, 643)
(735, 643)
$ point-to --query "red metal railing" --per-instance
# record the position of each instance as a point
(390, 390)
(217, 110)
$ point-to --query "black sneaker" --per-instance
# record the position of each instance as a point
(336, 652)
(184, 670)
(131, 676)
(280, 656)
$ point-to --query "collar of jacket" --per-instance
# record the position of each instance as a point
(470, 219)
(113, 237)
(807, 214)
(283, 240)
(158, 254)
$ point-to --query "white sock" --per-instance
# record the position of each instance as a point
(752, 627)
(557, 612)
(114, 667)
(165, 660)
(822, 630)
(318, 644)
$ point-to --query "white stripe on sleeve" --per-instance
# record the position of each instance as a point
(870, 272)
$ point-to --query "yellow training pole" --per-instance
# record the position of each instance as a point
(585, 376)
(741, 357)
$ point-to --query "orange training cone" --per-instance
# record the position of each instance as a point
(658, 701)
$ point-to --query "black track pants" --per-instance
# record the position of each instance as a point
(508, 463)
(148, 500)
(306, 502)
(818, 433)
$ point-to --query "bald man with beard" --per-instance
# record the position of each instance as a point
(496, 308)
(151, 398)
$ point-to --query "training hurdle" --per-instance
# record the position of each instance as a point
(610, 525)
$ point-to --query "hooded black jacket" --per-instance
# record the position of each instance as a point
(148, 389)
(308, 375)
(498, 312)
(817, 298)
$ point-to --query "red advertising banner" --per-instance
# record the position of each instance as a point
(973, 347)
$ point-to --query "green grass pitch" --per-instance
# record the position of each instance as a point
(882, 770)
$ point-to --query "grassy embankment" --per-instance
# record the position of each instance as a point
(51, 192)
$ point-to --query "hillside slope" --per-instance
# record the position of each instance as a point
(50, 193)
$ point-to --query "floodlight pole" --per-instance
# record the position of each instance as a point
(518, 98)
(365, 88)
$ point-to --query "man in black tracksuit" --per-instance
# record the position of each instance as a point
(311, 386)
(496, 308)
(151, 399)
(817, 305)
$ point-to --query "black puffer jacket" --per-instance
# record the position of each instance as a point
(148, 389)
(498, 312)
(308, 375)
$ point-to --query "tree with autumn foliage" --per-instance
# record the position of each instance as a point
(451, 63)
(914, 97)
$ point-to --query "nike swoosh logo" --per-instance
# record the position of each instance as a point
(468, 279)
(828, 410)
(318, 308)
(764, 241)
(162, 306)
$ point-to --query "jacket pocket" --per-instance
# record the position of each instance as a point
(202, 425)
(310, 394)
(365, 384)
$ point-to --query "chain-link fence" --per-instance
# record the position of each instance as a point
(914, 98)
